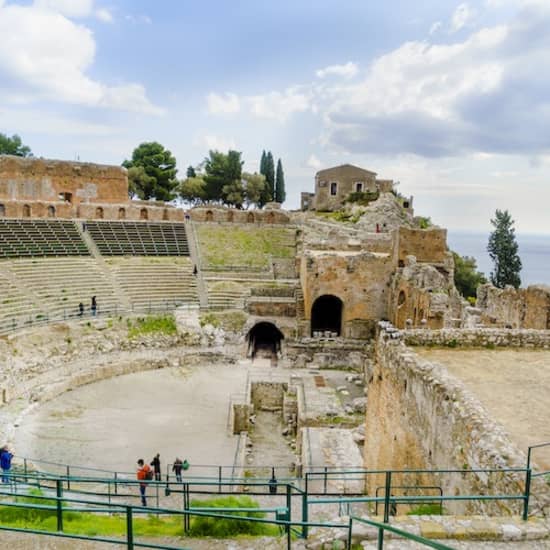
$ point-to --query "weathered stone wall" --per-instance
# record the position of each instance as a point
(37, 179)
(359, 279)
(516, 308)
(221, 214)
(479, 337)
(328, 354)
(133, 210)
(418, 416)
(268, 396)
(427, 245)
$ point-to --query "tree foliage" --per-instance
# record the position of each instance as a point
(222, 170)
(191, 172)
(13, 146)
(466, 276)
(157, 180)
(280, 193)
(193, 190)
(503, 250)
(254, 185)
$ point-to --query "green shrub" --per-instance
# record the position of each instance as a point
(164, 324)
(363, 198)
(427, 509)
(224, 528)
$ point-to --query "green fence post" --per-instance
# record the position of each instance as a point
(59, 507)
(186, 522)
(116, 485)
(68, 476)
(526, 494)
(350, 529)
(288, 508)
(387, 494)
(305, 518)
(25, 469)
(129, 529)
(219, 479)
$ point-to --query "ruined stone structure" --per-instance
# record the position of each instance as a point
(44, 188)
(221, 214)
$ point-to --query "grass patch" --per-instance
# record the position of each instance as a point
(232, 320)
(426, 510)
(164, 324)
(225, 528)
(243, 246)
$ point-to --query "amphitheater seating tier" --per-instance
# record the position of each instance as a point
(156, 282)
(117, 238)
(38, 238)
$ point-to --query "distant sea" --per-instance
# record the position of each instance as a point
(534, 251)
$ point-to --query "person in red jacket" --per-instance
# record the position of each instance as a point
(143, 474)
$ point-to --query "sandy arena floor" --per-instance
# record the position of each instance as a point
(514, 387)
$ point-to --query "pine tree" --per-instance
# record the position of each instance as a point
(503, 250)
(280, 193)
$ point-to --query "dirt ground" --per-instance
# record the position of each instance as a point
(514, 387)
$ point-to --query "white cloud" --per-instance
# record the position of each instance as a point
(314, 162)
(45, 56)
(69, 8)
(223, 104)
(435, 27)
(138, 19)
(279, 105)
(215, 143)
(462, 16)
(348, 70)
(103, 14)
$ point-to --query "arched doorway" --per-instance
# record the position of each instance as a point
(26, 211)
(2, 210)
(121, 213)
(143, 214)
(99, 213)
(250, 217)
(51, 211)
(326, 315)
(209, 216)
(264, 340)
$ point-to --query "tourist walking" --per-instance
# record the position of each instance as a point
(156, 466)
(176, 468)
(5, 463)
(80, 309)
(93, 307)
(144, 474)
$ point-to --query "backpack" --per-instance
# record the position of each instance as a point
(149, 474)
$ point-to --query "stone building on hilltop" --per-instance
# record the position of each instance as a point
(334, 185)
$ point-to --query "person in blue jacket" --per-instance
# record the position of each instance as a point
(5, 463)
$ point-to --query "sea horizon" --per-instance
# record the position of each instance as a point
(534, 252)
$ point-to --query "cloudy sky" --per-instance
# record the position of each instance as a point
(452, 99)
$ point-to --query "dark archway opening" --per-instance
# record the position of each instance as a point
(264, 340)
(326, 316)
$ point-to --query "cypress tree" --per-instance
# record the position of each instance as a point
(503, 250)
(262, 163)
(269, 177)
(280, 193)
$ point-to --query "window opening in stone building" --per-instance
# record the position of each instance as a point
(405, 204)
(358, 186)
(143, 214)
(250, 217)
(26, 211)
(2, 210)
(121, 213)
(326, 316)
(209, 216)
(264, 340)
(333, 188)
(99, 213)
(51, 211)
(67, 197)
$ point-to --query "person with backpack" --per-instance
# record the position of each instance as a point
(156, 466)
(144, 474)
(5, 463)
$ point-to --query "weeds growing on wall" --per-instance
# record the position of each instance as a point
(164, 324)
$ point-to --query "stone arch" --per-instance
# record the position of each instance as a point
(264, 338)
(122, 213)
(26, 211)
(230, 216)
(401, 298)
(99, 214)
(2, 211)
(165, 215)
(326, 315)
(144, 214)
(51, 211)
(209, 216)
(270, 218)
(250, 218)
